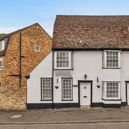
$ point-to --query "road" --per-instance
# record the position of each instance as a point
(69, 126)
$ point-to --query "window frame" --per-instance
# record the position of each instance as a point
(1, 68)
(3, 44)
(70, 60)
(104, 90)
(104, 59)
(62, 99)
(35, 49)
(0, 84)
(42, 99)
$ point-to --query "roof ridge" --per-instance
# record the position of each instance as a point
(96, 15)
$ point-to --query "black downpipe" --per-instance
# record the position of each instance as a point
(52, 79)
(20, 60)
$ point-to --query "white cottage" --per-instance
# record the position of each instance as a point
(88, 65)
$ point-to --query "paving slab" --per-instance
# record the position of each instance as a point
(72, 115)
(60, 115)
(27, 116)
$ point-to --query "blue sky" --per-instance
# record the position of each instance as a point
(15, 14)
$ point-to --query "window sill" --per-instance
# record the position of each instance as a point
(110, 68)
(46, 100)
(67, 100)
(63, 69)
(112, 99)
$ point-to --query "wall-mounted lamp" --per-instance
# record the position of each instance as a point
(98, 86)
(97, 80)
(56, 87)
(57, 80)
(85, 76)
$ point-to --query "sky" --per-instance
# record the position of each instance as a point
(17, 14)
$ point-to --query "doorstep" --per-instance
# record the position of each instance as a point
(85, 106)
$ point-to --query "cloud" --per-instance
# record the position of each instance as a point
(12, 29)
(8, 30)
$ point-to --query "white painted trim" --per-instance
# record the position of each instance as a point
(119, 59)
(3, 44)
(55, 60)
(105, 58)
(64, 99)
(105, 87)
(105, 91)
(119, 90)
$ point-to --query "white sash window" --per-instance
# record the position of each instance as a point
(111, 59)
(46, 84)
(111, 90)
(67, 89)
(63, 60)
(3, 44)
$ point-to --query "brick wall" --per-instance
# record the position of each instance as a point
(13, 98)
(31, 36)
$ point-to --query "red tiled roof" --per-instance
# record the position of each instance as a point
(91, 32)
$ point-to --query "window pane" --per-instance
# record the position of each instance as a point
(46, 89)
(112, 59)
(112, 90)
(62, 59)
(67, 89)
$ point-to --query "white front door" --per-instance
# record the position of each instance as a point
(85, 93)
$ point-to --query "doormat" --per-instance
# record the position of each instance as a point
(15, 116)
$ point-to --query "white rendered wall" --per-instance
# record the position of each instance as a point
(89, 63)
(58, 92)
(124, 73)
(84, 62)
(44, 69)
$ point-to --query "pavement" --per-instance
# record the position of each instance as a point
(66, 116)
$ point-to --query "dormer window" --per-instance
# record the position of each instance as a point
(3, 44)
(0, 45)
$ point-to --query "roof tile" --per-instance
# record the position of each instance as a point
(91, 32)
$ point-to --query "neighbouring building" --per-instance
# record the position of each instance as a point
(20, 52)
(88, 64)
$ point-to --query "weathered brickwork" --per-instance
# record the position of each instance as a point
(91, 32)
(31, 36)
(13, 98)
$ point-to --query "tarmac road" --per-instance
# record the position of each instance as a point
(69, 126)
